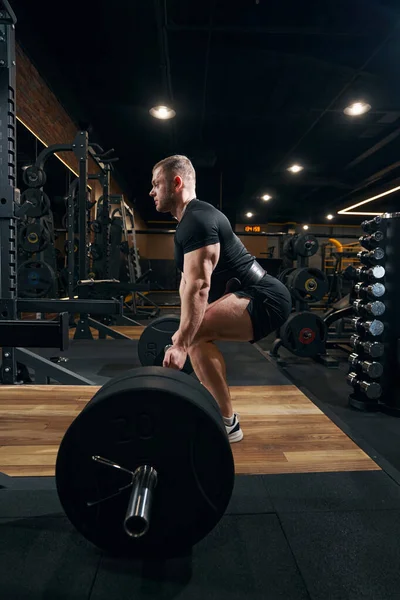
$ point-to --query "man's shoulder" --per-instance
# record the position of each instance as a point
(202, 205)
(202, 209)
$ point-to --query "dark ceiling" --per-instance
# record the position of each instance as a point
(256, 85)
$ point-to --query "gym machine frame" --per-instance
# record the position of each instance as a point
(107, 286)
(80, 147)
(14, 332)
(134, 271)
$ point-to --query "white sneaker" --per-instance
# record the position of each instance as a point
(235, 434)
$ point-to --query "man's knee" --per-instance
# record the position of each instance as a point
(198, 345)
(203, 336)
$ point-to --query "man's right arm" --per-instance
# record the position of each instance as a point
(182, 286)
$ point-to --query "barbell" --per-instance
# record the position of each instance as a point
(146, 468)
(156, 337)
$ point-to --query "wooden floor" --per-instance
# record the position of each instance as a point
(284, 431)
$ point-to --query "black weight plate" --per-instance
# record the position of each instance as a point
(35, 279)
(162, 418)
(155, 337)
(283, 276)
(304, 334)
(305, 244)
(288, 249)
(39, 200)
(34, 238)
(307, 284)
(34, 176)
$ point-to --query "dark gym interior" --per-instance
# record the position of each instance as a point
(117, 478)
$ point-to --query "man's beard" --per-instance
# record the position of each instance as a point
(167, 204)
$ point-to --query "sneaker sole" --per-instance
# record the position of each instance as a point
(236, 437)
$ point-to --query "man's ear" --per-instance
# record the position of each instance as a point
(178, 183)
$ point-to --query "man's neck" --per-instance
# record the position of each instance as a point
(181, 209)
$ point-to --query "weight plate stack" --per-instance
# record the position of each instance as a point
(162, 419)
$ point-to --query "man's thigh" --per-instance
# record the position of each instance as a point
(226, 319)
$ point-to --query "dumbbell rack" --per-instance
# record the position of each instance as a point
(374, 365)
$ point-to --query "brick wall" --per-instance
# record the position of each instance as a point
(40, 110)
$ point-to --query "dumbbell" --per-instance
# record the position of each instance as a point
(371, 389)
(373, 349)
(369, 274)
(371, 225)
(371, 257)
(375, 309)
(372, 369)
(371, 241)
(364, 273)
(374, 327)
(367, 291)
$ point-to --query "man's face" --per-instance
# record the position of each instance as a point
(162, 191)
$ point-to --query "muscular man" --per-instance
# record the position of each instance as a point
(225, 294)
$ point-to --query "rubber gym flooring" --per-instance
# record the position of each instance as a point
(315, 513)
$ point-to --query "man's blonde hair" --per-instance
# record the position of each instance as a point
(178, 165)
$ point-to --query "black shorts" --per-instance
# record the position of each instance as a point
(269, 307)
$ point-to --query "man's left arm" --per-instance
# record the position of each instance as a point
(197, 269)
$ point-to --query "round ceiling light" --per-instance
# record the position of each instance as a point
(162, 112)
(357, 108)
(295, 168)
